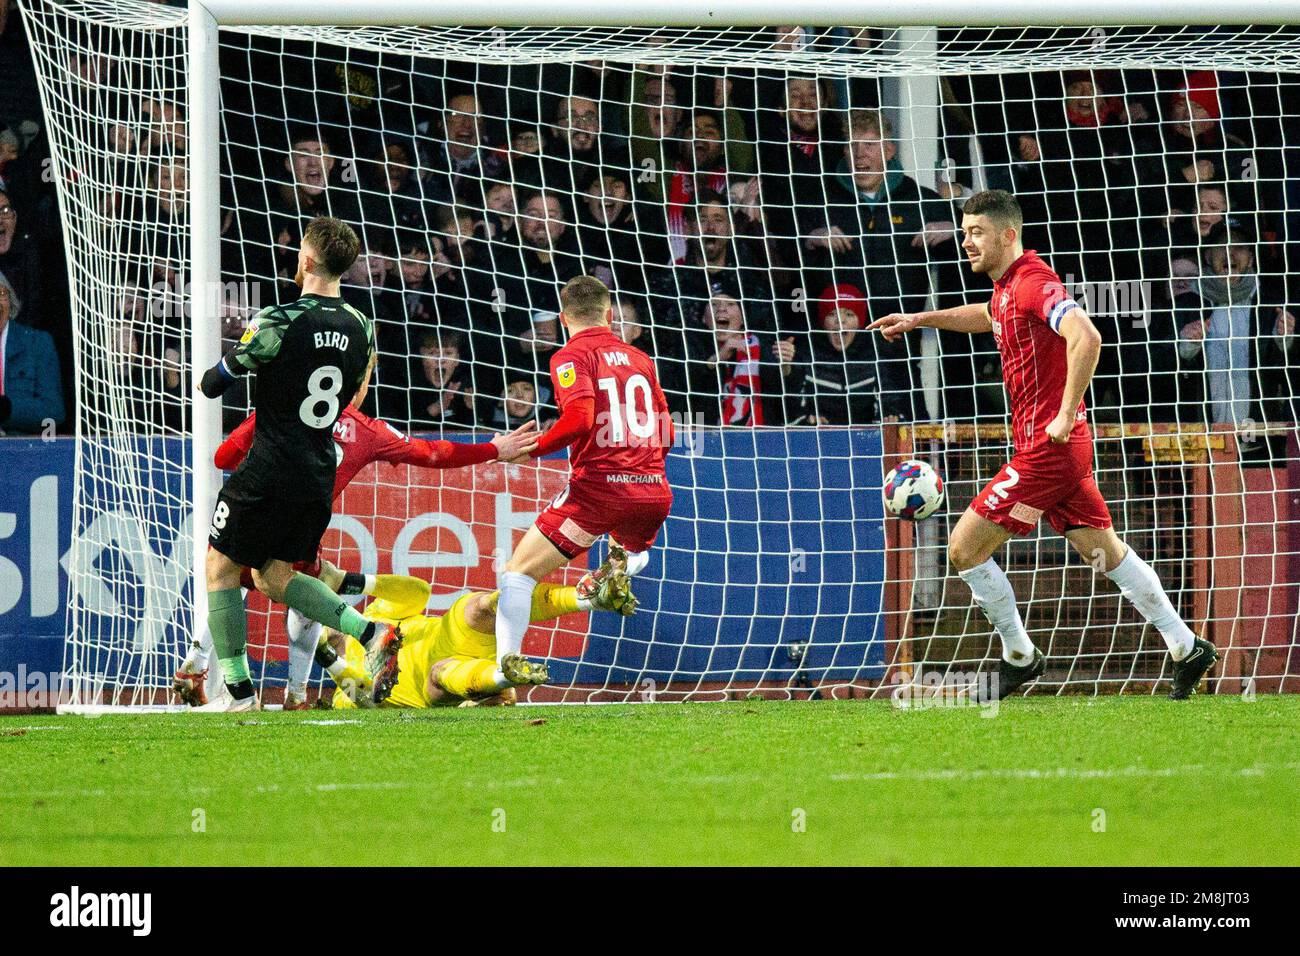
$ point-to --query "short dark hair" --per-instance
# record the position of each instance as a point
(377, 242)
(998, 204)
(544, 195)
(384, 145)
(413, 240)
(442, 339)
(585, 299)
(335, 244)
(302, 133)
(1225, 237)
(445, 218)
(705, 197)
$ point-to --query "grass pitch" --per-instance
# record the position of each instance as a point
(1046, 781)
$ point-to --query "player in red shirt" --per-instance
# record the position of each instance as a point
(359, 440)
(1049, 350)
(614, 419)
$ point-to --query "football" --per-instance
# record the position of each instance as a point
(913, 491)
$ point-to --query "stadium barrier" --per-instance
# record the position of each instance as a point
(735, 600)
(735, 595)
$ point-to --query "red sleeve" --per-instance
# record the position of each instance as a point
(398, 448)
(576, 420)
(446, 454)
(385, 443)
(232, 451)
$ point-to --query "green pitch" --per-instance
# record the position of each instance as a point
(1107, 781)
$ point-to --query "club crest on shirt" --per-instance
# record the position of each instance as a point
(1006, 297)
(566, 375)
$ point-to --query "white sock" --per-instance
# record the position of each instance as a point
(1140, 584)
(584, 604)
(992, 592)
(514, 607)
(303, 635)
(636, 562)
(369, 587)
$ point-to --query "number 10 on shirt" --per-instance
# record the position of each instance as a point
(639, 406)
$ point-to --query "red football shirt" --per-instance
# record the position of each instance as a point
(1028, 304)
(632, 430)
(360, 440)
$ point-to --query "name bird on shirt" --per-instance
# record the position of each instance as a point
(331, 340)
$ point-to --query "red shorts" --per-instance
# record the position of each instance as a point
(309, 568)
(631, 512)
(1052, 481)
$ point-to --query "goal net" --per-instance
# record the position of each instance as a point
(753, 196)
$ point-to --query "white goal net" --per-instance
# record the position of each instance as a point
(752, 196)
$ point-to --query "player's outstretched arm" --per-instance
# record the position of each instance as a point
(1082, 349)
(973, 318)
(577, 420)
(400, 449)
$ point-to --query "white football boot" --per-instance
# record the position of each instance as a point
(223, 703)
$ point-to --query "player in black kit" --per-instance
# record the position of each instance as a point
(309, 358)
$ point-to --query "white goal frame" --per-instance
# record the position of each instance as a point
(207, 17)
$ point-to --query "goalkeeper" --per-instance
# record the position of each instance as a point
(450, 659)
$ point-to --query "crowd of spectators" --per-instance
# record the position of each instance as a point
(749, 222)
(35, 327)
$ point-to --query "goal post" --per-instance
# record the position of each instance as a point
(204, 180)
(742, 13)
(185, 141)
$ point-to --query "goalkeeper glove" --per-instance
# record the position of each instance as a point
(216, 380)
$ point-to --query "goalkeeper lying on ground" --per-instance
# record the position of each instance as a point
(450, 659)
